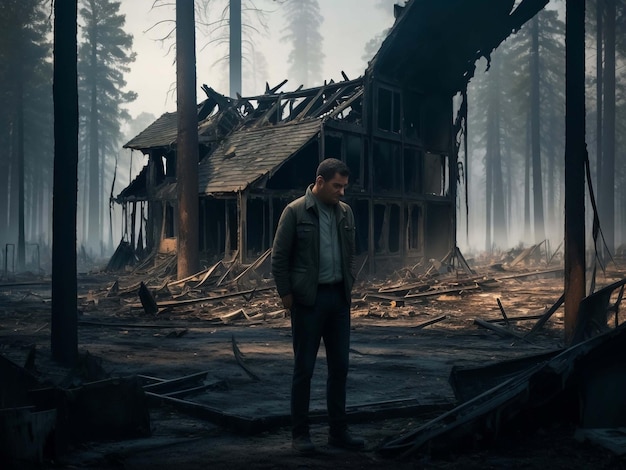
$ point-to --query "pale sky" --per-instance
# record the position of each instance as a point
(348, 25)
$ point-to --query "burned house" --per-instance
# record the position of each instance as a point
(398, 127)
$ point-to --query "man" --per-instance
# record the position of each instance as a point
(312, 264)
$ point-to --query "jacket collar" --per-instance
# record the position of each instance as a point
(310, 202)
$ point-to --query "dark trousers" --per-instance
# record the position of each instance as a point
(329, 319)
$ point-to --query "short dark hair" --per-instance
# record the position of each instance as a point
(330, 166)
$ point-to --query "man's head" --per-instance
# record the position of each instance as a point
(331, 180)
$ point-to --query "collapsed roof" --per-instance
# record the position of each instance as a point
(432, 47)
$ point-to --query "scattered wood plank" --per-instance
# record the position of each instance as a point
(506, 319)
(233, 315)
(25, 283)
(528, 252)
(239, 357)
(193, 277)
(429, 322)
(504, 332)
(404, 288)
(516, 318)
(384, 298)
(252, 267)
(546, 316)
(529, 274)
(167, 386)
(452, 290)
(230, 268)
(180, 303)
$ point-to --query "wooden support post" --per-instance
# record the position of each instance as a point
(371, 248)
(271, 234)
(265, 225)
(204, 225)
(132, 225)
(242, 215)
(226, 229)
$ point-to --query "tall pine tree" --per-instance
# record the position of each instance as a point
(103, 58)
(304, 20)
(25, 76)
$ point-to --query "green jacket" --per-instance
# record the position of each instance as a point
(295, 253)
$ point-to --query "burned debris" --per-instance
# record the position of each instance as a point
(235, 383)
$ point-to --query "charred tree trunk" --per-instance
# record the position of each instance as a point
(64, 324)
(599, 93)
(540, 232)
(607, 186)
(14, 178)
(553, 182)
(235, 48)
(21, 242)
(499, 217)
(4, 197)
(527, 186)
(488, 196)
(575, 152)
(187, 149)
(93, 227)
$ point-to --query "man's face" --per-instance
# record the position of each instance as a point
(331, 191)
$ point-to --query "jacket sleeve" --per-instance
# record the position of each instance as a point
(352, 260)
(282, 251)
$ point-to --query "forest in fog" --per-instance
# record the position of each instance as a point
(511, 185)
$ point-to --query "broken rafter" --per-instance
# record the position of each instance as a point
(330, 102)
(276, 109)
(346, 104)
(271, 91)
(307, 92)
(310, 105)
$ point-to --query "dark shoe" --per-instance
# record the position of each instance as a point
(345, 441)
(302, 445)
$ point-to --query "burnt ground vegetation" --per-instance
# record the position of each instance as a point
(409, 328)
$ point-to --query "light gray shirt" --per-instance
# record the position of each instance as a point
(330, 251)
